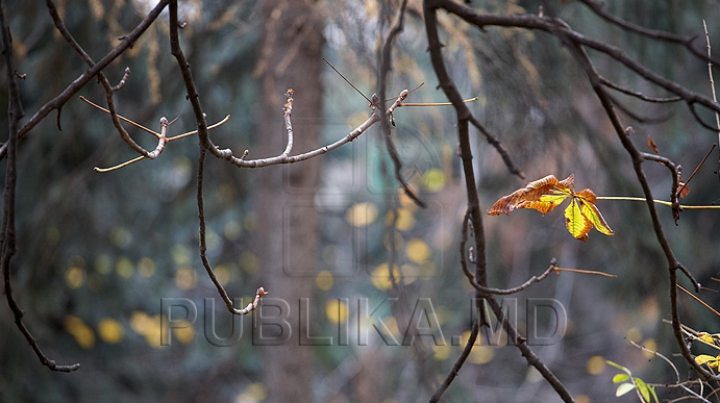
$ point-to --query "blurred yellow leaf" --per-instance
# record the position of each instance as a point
(185, 278)
(110, 330)
(337, 311)
(183, 331)
(75, 277)
(442, 352)
(124, 267)
(361, 214)
(481, 355)
(434, 180)
(711, 361)
(381, 277)
(83, 334)
(324, 280)
(403, 222)
(146, 267)
(417, 251)
(595, 365)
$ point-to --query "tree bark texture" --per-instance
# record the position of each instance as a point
(291, 57)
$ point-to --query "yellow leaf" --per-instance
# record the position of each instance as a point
(707, 359)
(577, 224)
(587, 200)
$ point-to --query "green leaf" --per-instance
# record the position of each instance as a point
(643, 388)
(618, 366)
(623, 389)
(654, 394)
(620, 378)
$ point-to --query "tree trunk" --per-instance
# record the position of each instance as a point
(291, 57)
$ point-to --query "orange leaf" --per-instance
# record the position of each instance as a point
(543, 195)
(651, 144)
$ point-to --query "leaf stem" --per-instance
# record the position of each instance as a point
(663, 202)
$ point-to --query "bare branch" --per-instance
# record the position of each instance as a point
(74, 87)
(203, 249)
(636, 94)
(463, 114)
(7, 236)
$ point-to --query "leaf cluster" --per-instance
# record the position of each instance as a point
(545, 194)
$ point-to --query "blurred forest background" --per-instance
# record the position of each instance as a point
(98, 252)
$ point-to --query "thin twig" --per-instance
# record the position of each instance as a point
(637, 94)
(123, 118)
(347, 81)
(287, 113)
(160, 136)
(60, 100)
(583, 271)
(712, 84)
(703, 303)
(385, 67)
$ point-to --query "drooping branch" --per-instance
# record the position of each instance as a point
(430, 8)
(203, 249)
(385, 67)
(7, 234)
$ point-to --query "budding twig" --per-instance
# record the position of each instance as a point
(287, 112)
(162, 139)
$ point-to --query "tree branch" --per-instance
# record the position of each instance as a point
(74, 87)
(7, 236)
(463, 115)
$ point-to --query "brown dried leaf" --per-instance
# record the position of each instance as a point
(542, 195)
(683, 190)
(652, 145)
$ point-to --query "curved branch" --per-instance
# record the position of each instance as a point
(7, 235)
(463, 115)
(686, 41)
(559, 28)
(203, 249)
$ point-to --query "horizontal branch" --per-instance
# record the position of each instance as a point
(291, 159)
